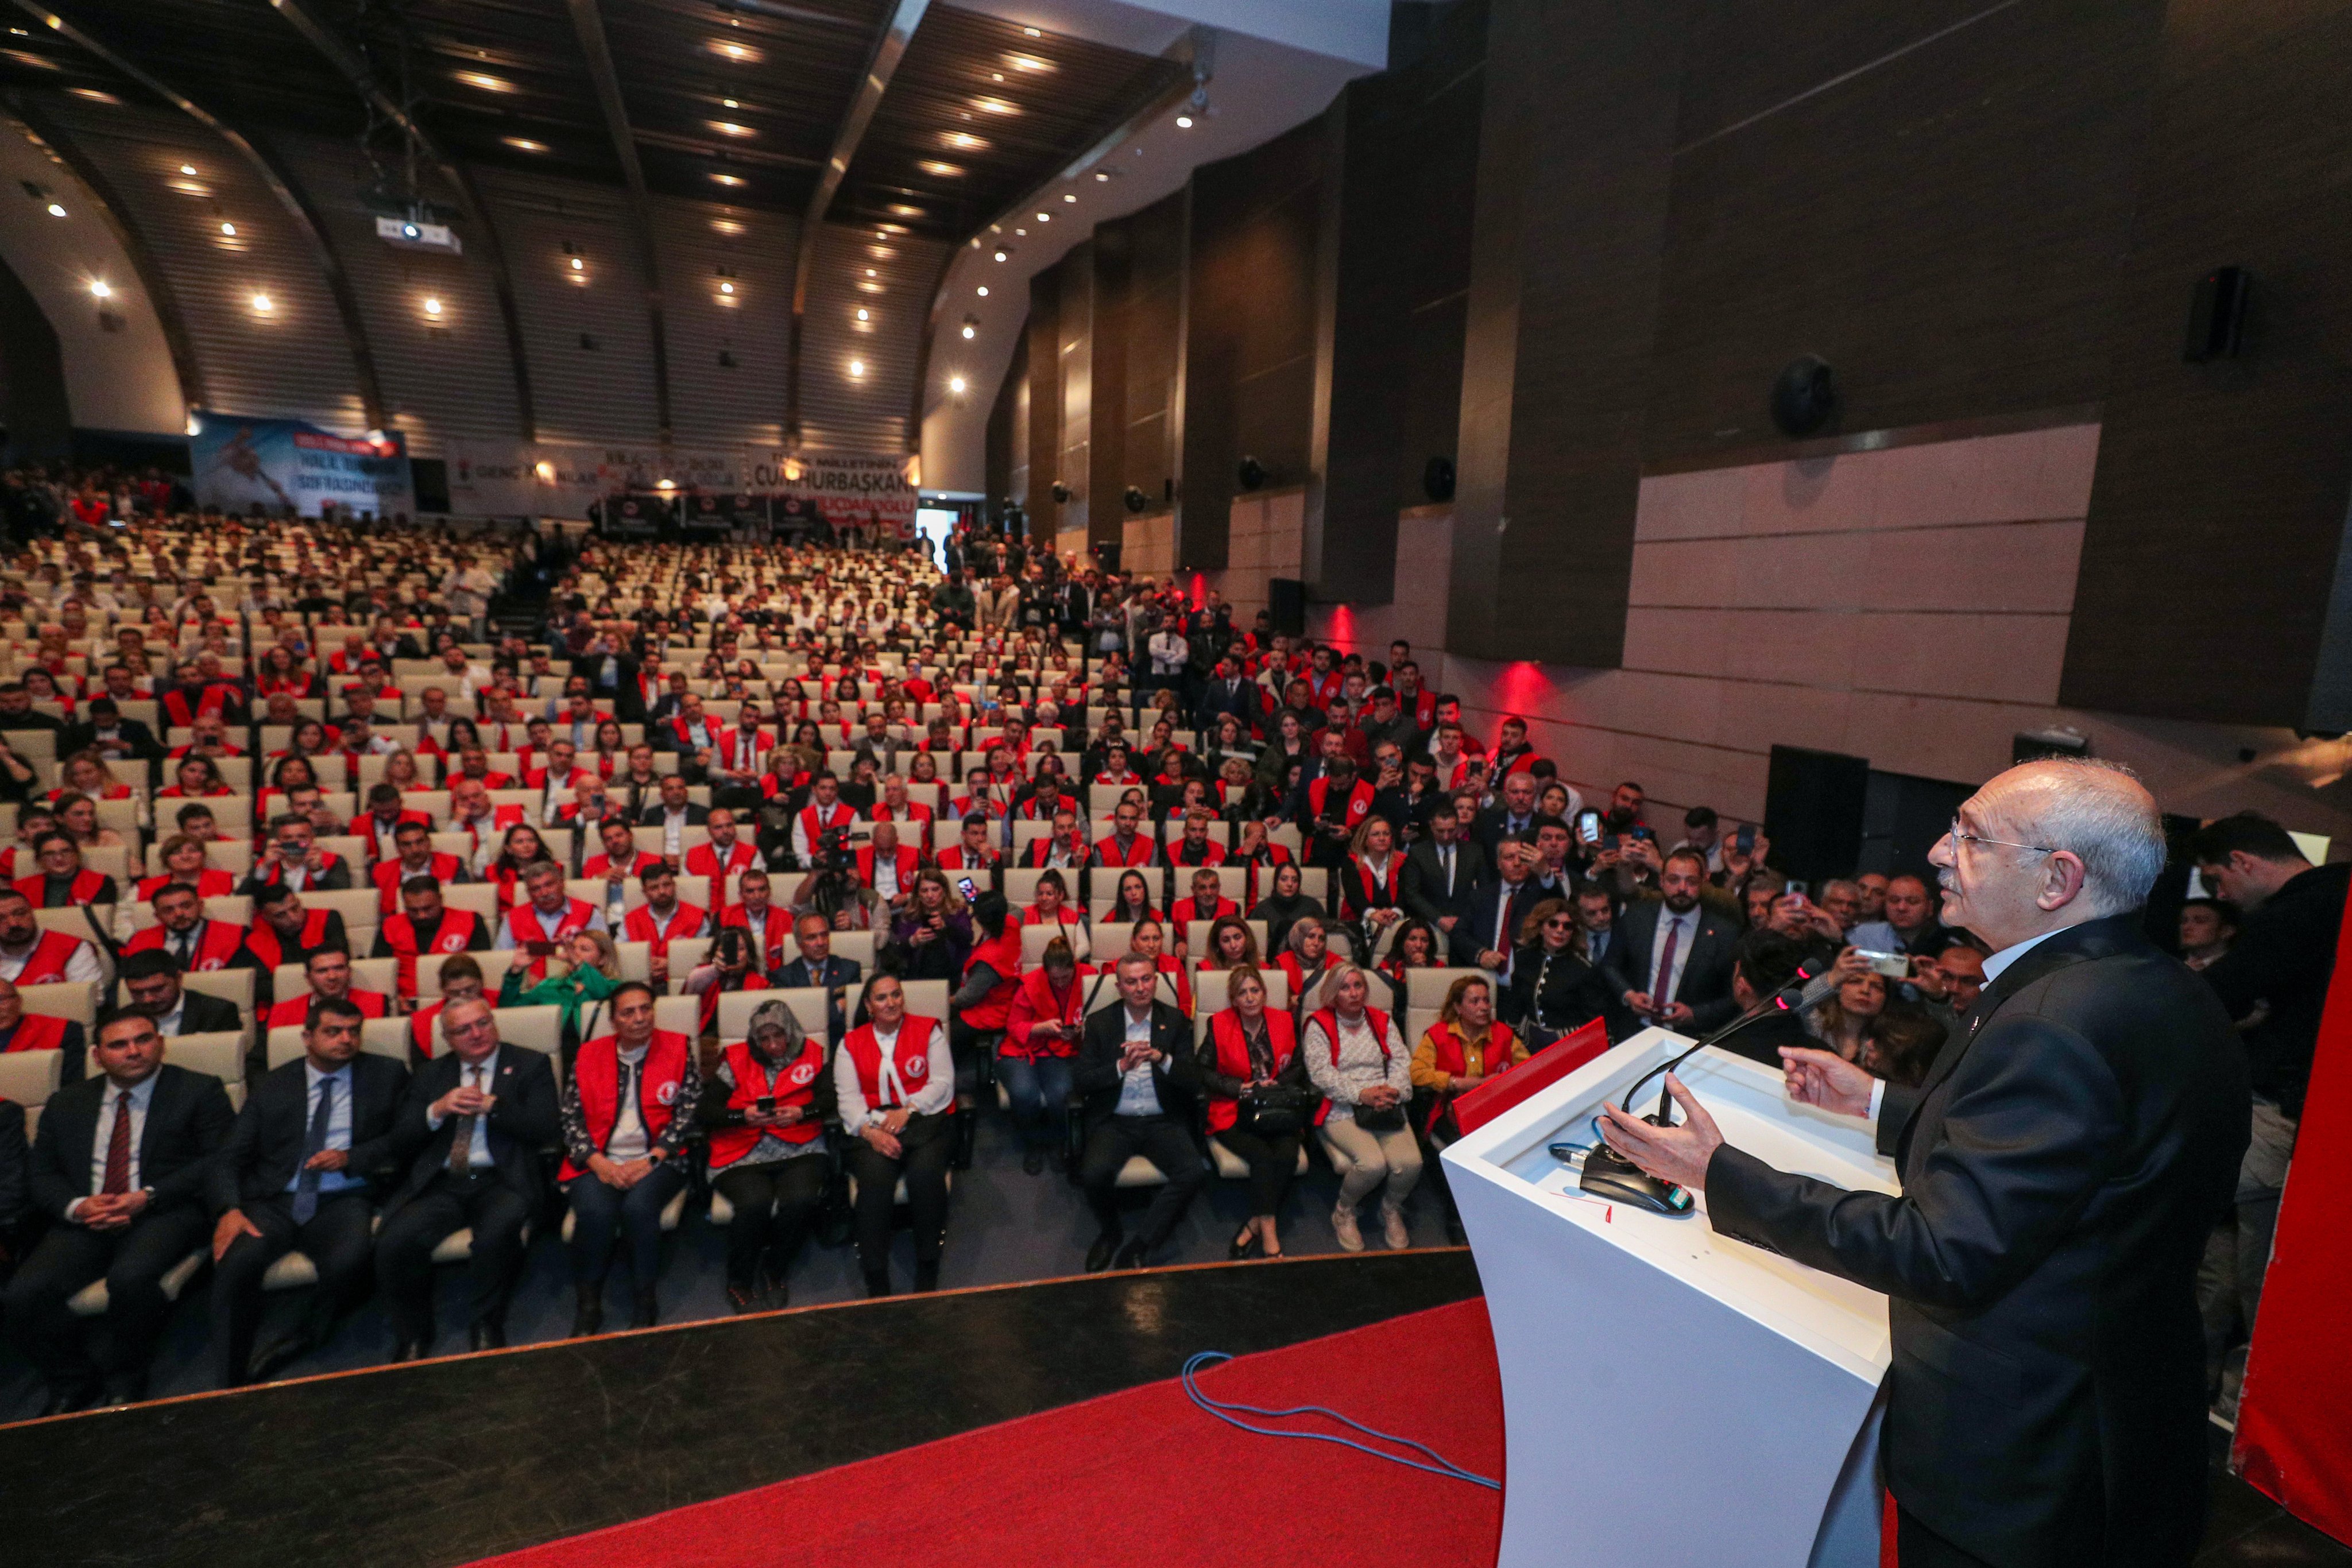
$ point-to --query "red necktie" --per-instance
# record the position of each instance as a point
(1666, 962)
(118, 1147)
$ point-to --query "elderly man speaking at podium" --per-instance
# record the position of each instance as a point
(2060, 1164)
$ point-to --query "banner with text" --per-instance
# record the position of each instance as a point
(505, 478)
(871, 493)
(284, 462)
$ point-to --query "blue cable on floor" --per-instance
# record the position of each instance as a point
(1444, 1466)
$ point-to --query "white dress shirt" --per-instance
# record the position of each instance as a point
(338, 1124)
(937, 1092)
(136, 1098)
(481, 1076)
(1685, 925)
(82, 968)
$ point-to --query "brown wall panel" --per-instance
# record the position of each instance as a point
(2209, 584)
(1106, 454)
(1155, 318)
(1045, 434)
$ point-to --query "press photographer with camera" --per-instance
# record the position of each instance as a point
(832, 889)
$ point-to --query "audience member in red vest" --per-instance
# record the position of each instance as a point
(894, 1078)
(1041, 1041)
(63, 882)
(764, 1110)
(1259, 1099)
(1465, 1047)
(661, 920)
(327, 973)
(1358, 1059)
(21, 1030)
(32, 957)
(414, 857)
(426, 926)
(460, 979)
(546, 916)
(627, 1109)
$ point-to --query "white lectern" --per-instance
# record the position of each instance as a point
(1671, 1395)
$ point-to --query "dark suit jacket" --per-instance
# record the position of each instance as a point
(201, 1014)
(188, 1119)
(144, 744)
(628, 702)
(16, 1158)
(523, 1123)
(655, 813)
(265, 1149)
(1487, 828)
(1706, 974)
(1486, 924)
(1242, 702)
(1096, 1073)
(2061, 1165)
(1421, 886)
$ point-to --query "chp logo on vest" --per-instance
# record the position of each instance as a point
(666, 1093)
(800, 1075)
(918, 1066)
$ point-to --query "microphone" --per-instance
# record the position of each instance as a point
(1607, 1174)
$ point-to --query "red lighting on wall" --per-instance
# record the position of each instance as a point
(1343, 627)
(1199, 592)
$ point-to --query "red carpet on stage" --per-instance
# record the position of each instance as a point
(1142, 1475)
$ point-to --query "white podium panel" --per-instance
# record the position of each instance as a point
(1672, 1396)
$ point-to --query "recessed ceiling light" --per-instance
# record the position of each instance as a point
(993, 105)
(871, 273)
(729, 128)
(996, 75)
(1028, 63)
(100, 288)
(189, 187)
(57, 210)
(972, 331)
(432, 306)
(486, 81)
(982, 291)
(863, 315)
(187, 168)
(1000, 254)
(890, 228)
(524, 144)
(743, 54)
(728, 180)
(263, 305)
(903, 210)
(95, 95)
(728, 103)
(856, 367)
(229, 229)
(956, 385)
(726, 288)
(1184, 123)
(1045, 217)
(944, 171)
(578, 265)
(1031, 33)
(1069, 195)
(963, 139)
(726, 225)
(1102, 176)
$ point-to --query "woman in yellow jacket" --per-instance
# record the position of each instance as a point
(1465, 1047)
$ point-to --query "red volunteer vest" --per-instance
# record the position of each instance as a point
(641, 925)
(86, 885)
(702, 860)
(1233, 1056)
(1289, 964)
(46, 965)
(1448, 1056)
(456, 929)
(38, 1032)
(296, 1010)
(794, 1084)
(909, 860)
(1377, 892)
(1137, 853)
(262, 938)
(775, 924)
(1360, 799)
(912, 1058)
(1002, 953)
(1037, 1001)
(217, 943)
(273, 873)
(596, 1071)
(1185, 910)
(1374, 1019)
(389, 875)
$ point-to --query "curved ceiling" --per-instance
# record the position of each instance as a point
(690, 117)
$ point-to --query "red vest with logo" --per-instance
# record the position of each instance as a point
(1289, 964)
(1137, 853)
(273, 873)
(217, 942)
(1037, 1002)
(909, 860)
(812, 822)
(400, 934)
(87, 886)
(1184, 911)
(36, 1032)
(262, 938)
(794, 1083)
(389, 875)
(702, 860)
(643, 925)
(912, 1058)
(1448, 1057)
(1233, 1059)
(46, 965)
(775, 924)
(1360, 799)
(596, 1072)
(296, 1010)
(1374, 892)
(1002, 953)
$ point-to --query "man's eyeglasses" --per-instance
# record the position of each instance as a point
(1961, 838)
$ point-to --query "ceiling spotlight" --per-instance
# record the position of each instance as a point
(970, 330)
(742, 53)
(856, 367)
(486, 81)
(956, 385)
(933, 166)
(728, 103)
(1001, 254)
(726, 288)
(524, 144)
(1031, 33)
(993, 105)
(1184, 123)
(263, 305)
(904, 210)
(729, 128)
(996, 75)
(1045, 217)
(890, 228)
(187, 168)
(410, 231)
(729, 180)
(726, 225)
(102, 289)
(545, 470)
(432, 306)
(871, 273)
(1028, 63)
(1102, 176)
(95, 95)
(863, 315)
(963, 139)
(57, 210)
(1069, 195)
(578, 265)
(229, 229)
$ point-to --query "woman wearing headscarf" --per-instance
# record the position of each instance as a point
(765, 1109)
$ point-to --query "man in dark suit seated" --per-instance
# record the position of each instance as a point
(1441, 873)
(310, 1148)
(150, 984)
(1488, 933)
(470, 1133)
(1136, 1074)
(1670, 959)
(817, 965)
(1228, 691)
(119, 1169)
(2061, 1166)
(105, 731)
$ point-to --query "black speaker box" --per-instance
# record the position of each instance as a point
(1814, 806)
(1285, 605)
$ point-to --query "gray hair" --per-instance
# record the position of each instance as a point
(777, 1016)
(1131, 956)
(1299, 928)
(2101, 812)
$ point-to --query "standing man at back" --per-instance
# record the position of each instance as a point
(2061, 1166)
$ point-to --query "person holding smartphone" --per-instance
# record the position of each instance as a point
(765, 1109)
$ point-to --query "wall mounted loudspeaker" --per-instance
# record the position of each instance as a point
(1437, 478)
(1251, 473)
(1285, 605)
(1804, 398)
(2217, 315)
(1136, 499)
(1061, 493)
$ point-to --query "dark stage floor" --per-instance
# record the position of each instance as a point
(442, 1462)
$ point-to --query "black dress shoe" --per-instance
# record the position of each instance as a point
(741, 1298)
(487, 1335)
(1243, 1245)
(1131, 1255)
(644, 1311)
(278, 1354)
(778, 1293)
(1099, 1255)
(1032, 1160)
(408, 1350)
(66, 1401)
(588, 1315)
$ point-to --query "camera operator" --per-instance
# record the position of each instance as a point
(832, 889)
